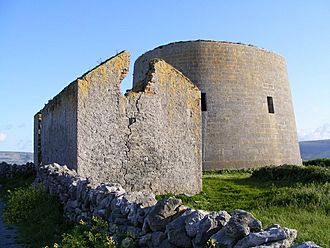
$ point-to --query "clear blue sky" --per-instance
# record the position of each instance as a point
(45, 45)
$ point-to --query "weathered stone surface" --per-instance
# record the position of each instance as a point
(132, 206)
(142, 199)
(166, 244)
(152, 239)
(162, 214)
(176, 231)
(272, 226)
(157, 238)
(209, 225)
(278, 244)
(128, 242)
(270, 236)
(168, 107)
(192, 222)
(240, 225)
(133, 231)
(145, 240)
(308, 244)
(109, 190)
(71, 205)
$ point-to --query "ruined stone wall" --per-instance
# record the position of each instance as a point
(58, 135)
(165, 132)
(238, 131)
(148, 140)
(102, 123)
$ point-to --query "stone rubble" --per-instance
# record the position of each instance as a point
(146, 222)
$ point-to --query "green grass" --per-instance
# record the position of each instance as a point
(91, 235)
(312, 226)
(289, 201)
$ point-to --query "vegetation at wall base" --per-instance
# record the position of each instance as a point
(293, 196)
(37, 215)
(85, 234)
(40, 221)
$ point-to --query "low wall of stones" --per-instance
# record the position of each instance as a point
(13, 170)
(163, 223)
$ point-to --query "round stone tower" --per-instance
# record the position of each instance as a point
(247, 111)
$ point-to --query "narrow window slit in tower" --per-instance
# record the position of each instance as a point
(204, 102)
(270, 105)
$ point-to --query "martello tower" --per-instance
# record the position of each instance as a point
(247, 112)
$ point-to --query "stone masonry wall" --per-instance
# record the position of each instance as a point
(149, 139)
(101, 122)
(58, 135)
(165, 132)
(144, 222)
(238, 131)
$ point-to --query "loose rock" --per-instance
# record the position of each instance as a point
(264, 237)
(163, 213)
(209, 225)
(240, 225)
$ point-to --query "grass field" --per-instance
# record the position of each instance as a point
(289, 202)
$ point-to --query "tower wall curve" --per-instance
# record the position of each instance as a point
(240, 84)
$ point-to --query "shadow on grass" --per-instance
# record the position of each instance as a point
(224, 192)
(256, 183)
(286, 186)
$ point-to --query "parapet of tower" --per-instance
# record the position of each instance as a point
(149, 139)
(247, 112)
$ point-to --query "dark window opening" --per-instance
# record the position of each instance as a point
(131, 121)
(204, 102)
(270, 105)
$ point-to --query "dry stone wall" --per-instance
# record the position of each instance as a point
(166, 223)
(238, 131)
(13, 170)
(149, 139)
